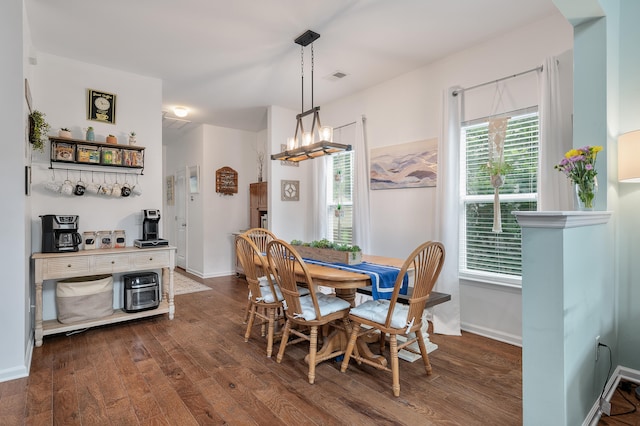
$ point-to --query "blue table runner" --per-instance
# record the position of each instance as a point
(383, 277)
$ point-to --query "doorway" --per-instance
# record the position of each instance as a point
(180, 224)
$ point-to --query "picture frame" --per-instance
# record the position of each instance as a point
(226, 181)
(171, 201)
(101, 106)
(289, 190)
(194, 179)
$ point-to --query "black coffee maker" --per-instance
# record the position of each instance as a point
(60, 233)
(150, 230)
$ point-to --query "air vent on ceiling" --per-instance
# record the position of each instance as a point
(336, 76)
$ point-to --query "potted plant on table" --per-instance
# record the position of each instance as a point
(38, 130)
(112, 139)
(64, 133)
(132, 138)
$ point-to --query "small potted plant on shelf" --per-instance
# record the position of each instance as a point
(38, 130)
(112, 139)
(132, 138)
(64, 133)
(90, 134)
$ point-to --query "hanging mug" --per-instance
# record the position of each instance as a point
(116, 190)
(67, 187)
(80, 188)
(126, 190)
(93, 188)
(53, 186)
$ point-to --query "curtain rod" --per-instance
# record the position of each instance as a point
(455, 92)
(344, 125)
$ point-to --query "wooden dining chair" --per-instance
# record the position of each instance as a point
(393, 318)
(260, 237)
(304, 313)
(265, 298)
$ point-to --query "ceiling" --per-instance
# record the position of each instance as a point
(227, 61)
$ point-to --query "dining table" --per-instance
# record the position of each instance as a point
(346, 284)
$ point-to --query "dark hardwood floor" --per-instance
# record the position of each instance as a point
(197, 369)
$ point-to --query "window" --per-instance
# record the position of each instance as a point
(485, 255)
(340, 200)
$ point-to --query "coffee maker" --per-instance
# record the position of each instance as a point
(60, 233)
(150, 230)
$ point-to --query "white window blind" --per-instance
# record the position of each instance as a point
(340, 199)
(484, 254)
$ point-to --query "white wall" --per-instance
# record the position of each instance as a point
(225, 214)
(409, 108)
(15, 333)
(61, 85)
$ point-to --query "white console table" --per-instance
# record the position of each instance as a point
(50, 266)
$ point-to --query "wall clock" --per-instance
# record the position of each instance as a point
(101, 106)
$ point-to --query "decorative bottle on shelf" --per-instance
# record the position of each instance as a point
(90, 135)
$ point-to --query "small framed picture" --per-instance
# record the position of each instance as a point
(101, 106)
(194, 179)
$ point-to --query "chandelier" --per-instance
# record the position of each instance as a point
(305, 145)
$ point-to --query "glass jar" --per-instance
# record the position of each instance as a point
(119, 238)
(104, 240)
(89, 240)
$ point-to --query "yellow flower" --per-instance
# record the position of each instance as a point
(572, 153)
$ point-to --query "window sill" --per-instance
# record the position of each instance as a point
(503, 282)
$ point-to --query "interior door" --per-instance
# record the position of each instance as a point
(181, 219)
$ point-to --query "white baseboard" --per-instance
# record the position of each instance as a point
(620, 372)
(21, 371)
(498, 335)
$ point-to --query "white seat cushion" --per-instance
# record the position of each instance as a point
(327, 305)
(303, 291)
(267, 295)
(264, 282)
(376, 311)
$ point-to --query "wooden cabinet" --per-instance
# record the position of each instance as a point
(49, 266)
(258, 204)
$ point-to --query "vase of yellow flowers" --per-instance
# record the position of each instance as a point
(578, 165)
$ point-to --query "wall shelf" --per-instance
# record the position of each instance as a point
(90, 153)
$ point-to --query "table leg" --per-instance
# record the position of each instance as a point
(167, 277)
(38, 314)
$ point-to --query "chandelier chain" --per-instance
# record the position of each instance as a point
(302, 76)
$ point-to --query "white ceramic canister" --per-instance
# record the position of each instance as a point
(104, 240)
(119, 238)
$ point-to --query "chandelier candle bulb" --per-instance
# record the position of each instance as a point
(292, 143)
(307, 138)
(326, 134)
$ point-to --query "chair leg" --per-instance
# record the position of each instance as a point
(247, 310)
(423, 352)
(313, 348)
(352, 343)
(270, 331)
(283, 342)
(393, 347)
(252, 317)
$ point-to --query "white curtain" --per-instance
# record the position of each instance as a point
(446, 317)
(361, 206)
(319, 198)
(554, 189)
